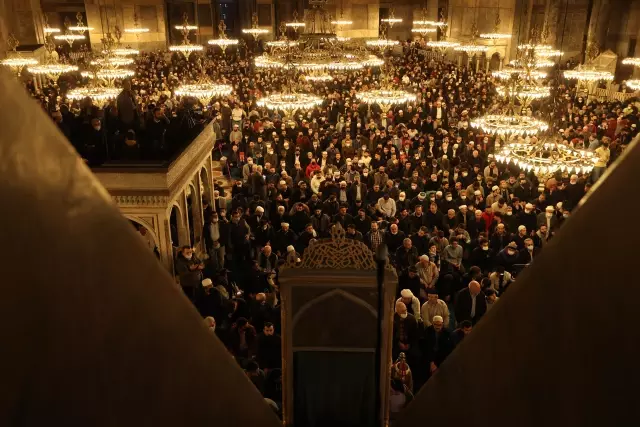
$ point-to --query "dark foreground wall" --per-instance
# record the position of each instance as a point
(92, 331)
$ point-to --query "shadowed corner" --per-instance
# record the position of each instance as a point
(96, 332)
(542, 356)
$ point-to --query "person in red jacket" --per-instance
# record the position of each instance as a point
(313, 166)
(487, 216)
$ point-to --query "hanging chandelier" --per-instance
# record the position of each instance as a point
(391, 20)
(508, 72)
(423, 30)
(633, 84)
(341, 21)
(496, 35)
(472, 48)
(186, 47)
(546, 157)
(100, 95)
(290, 102)
(386, 98)
(69, 35)
(223, 42)
(387, 95)
(525, 93)
(204, 91)
(16, 62)
(507, 125)
(255, 31)
(539, 63)
(631, 61)
(442, 45)
(137, 29)
(295, 24)
(50, 30)
(588, 75)
(380, 43)
(51, 68)
(117, 61)
(122, 51)
(314, 52)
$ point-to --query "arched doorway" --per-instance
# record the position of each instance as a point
(190, 194)
(205, 185)
(494, 63)
(175, 222)
(146, 232)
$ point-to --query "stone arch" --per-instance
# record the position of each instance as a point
(176, 224)
(330, 294)
(191, 203)
(146, 225)
(206, 183)
(494, 61)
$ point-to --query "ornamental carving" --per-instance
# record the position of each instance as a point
(338, 253)
(146, 201)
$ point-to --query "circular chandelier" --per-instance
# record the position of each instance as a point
(506, 125)
(495, 36)
(99, 94)
(633, 84)
(631, 61)
(588, 75)
(391, 19)
(16, 62)
(186, 27)
(341, 22)
(525, 93)
(535, 46)
(186, 48)
(423, 30)
(442, 44)
(223, 43)
(70, 38)
(204, 91)
(122, 51)
(507, 73)
(432, 23)
(385, 98)
(52, 69)
(282, 43)
(295, 24)
(254, 30)
(549, 53)
(80, 28)
(382, 43)
(111, 74)
(373, 61)
(136, 29)
(50, 30)
(471, 48)
(545, 158)
(538, 63)
(289, 103)
(117, 61)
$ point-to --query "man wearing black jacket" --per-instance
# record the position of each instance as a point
(470, 303)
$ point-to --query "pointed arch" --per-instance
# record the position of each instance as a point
(328, 295)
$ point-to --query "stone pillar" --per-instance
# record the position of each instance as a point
(196, 210)
(183, 224)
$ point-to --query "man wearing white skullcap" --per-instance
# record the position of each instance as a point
(412, 303)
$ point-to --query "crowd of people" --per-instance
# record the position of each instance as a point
(459, 226)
